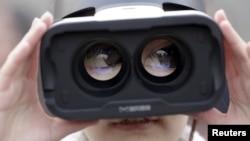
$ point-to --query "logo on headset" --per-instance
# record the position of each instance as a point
(134, 108)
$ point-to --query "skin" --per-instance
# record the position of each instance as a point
(167, 128)
(237, 56)
(22, 118)
(20, 108)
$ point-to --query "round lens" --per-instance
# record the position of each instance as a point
(160, 57)
(102, 61)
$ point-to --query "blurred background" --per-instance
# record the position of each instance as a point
(238, 11)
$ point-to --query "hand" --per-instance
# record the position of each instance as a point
(21, 116)
(237, 56)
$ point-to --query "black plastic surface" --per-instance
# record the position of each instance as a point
(198, 87)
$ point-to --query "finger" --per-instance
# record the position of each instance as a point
(235, 43)
(220, 16)
(24, 49)
(47, 18)
(212, 116)
(248, 49)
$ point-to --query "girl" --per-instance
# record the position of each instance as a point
(22, 118)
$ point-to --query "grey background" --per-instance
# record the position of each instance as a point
(238, 11)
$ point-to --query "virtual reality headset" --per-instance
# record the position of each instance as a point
(130, 58)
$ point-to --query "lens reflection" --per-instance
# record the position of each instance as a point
(160, 57)
(102, 61)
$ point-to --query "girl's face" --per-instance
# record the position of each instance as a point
(165, 128)
(159, 58)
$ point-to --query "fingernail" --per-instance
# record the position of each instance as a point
(35, 21)
(224, 13)
(45, 14)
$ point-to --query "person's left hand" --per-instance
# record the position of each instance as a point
(237, 56)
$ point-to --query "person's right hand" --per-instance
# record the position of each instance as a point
(21, 116)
